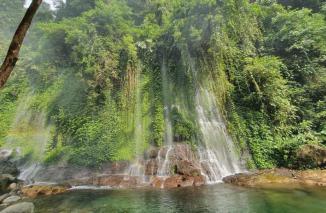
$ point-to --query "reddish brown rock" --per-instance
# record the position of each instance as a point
(129, 182)
(185, 167)
(173, 182)
(157, 182)
(111, 180)
(187, 181)
(177, 181)
(199, 180)
(151, 167)
(37, 190)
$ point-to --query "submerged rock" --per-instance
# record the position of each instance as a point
(11, 199)
(279, 177)
(4, 196)
(24, 207)
(33, 191)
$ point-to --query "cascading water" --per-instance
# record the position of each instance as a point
(216, 152)
(137, 168)
(217, 156)
(164, 169)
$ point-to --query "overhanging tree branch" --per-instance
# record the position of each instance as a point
(14, 48)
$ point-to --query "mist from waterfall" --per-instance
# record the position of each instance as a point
(28, 138)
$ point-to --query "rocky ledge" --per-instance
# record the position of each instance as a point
(33, 191)
(279, 178)
(114, 181)
(177, 181)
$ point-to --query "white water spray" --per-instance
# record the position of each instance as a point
(217, 156)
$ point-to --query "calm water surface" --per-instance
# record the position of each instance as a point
(217, 198)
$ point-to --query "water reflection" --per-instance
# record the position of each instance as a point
(218, 198)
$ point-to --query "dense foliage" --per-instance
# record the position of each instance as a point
(94, 68)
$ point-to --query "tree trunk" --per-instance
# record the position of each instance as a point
(14, 48)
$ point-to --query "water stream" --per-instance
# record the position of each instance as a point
(164, 164)
(217, 153)
(137, 167)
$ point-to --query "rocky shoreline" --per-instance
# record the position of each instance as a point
(279, 178)
(186, 173)
(17, 193)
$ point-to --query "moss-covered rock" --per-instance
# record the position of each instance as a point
(279, 178)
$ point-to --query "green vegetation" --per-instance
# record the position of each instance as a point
(94, 69)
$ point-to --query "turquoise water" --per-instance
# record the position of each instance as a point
(217, 198)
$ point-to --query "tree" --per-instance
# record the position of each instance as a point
(14, 48)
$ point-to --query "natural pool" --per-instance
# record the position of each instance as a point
(214, 198)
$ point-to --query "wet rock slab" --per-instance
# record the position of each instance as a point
(279, 177)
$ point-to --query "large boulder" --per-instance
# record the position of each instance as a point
(24, 207)
(173, 182)
(185, 167)
(177, 181)
(5, 181)
(8, 167)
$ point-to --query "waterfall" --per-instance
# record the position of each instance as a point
(137, 167)
(217, 156)
(216, 151)
(164, 168)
